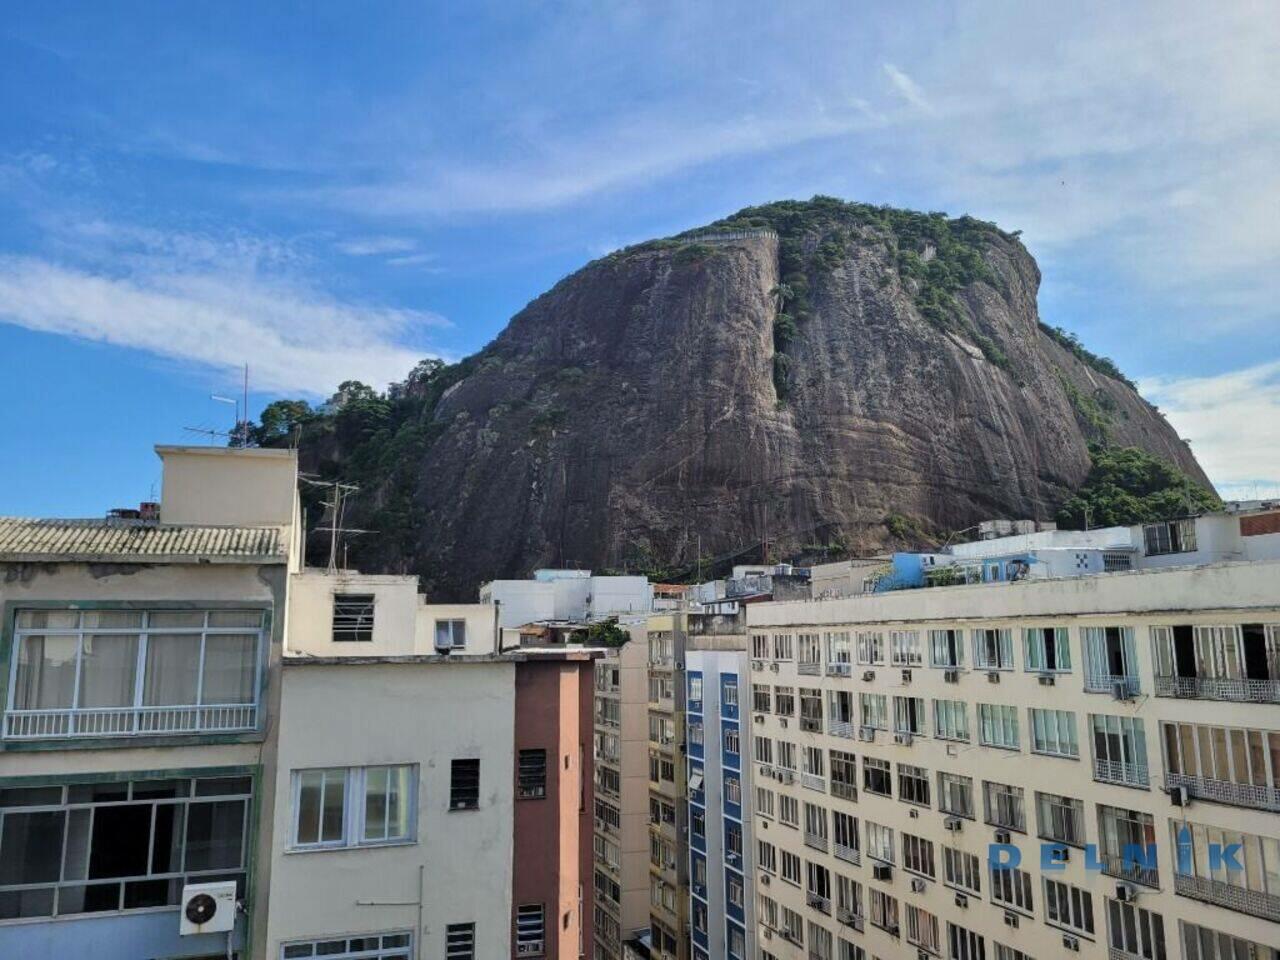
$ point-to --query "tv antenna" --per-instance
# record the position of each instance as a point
(238, 435)
(335, 508)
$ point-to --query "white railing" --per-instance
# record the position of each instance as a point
(1106, 683)
(1127, 868)
(843, 728)
(727, 235)
(809, 668)
(813, 782)
(1226, 791)
(128, 721)
(1120, 771)
(1255, 903)
(845, 791)
(839, 669)
(818, 902)
(815, 840)
(1219, 688)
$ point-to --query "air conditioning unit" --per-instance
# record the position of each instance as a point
(1071, 943)
(759, 718)
(951, 676)
(867, 733)
(923, 955)
(757, 664)
(814, 900)
(892, 930)
(906, 676)
(868, 675)
(773, 667)
(1179, 797)
(787, 776)
(913, 813)
(534, 948)
(962, 901)
(1126, 893)
(765, 880)
(768, 934)
(882, 871)
(847, 916)
(782, 721)
(1010, 919)
(993, 676)
(207, 908)
(918, 885)
(1121, 690)
(954, 824)
(1046, 680)
(902, 739)
(1059, 854)
(1002, 836)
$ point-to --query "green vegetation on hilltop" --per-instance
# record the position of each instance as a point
(1069, 341)
(1126, 485)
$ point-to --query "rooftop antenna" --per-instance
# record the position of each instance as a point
(335, 508)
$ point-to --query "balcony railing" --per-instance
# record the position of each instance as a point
(809, 668)
(1108, 682)
(811, 724)
(1256, 903)
(1121, 771)
(845, 791)
(813, 782)
(843, 728)
(1128, 868)
(850, 854)
(1226, 791)
(818, 901)
(129, 721)
(1219, 688)
(839, 669)
(815, 840)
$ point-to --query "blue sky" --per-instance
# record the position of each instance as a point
(332, 191)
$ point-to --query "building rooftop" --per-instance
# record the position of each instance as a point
(136, 541)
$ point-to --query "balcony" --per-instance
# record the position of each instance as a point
(843, 728)
(1255, 903)
(1219, 688)
(129, 721)
(811, 724)
(815, 840)
(848, 854)
(812, 781)
(1111, 682)
(818, 902)
(1122, 772)
(1226, 791)
(845, 791)
(809, 668)
(1127, 868)
(839, 669)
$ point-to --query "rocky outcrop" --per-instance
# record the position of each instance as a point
(639, 414)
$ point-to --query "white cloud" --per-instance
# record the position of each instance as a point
(907, 88)
(1233, 422)
(372, 246)
(294, 338)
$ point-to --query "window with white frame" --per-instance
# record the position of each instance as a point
(922, 929)
(908, 715)
(809, 650)
(1048, 650)
(874, 710)
(767, 853)
(1137, 932)
(1060, 819)
(879, 842)
(695, 689)
(764, 750)
(1053, 732)
(783, 648)
(951, 720)
(815, 822)
(870, 647)
(759, 646)
(790, 867)
(788, 810)
(784, 701)
(729, 691)
(732, 789)
(1068, 907)
(460, 941)
(732, 742)
(814, 762)
(955, 794)
(1170, 536)
(1010, 953)
(839, 649)
(964, 944)
(993, 649)
(962, 870)
(844, 829)
(998, 726)
(904, 648)
(946, 649)
(764, 802)
(354, 806)
(1119, 749)
(876, 777)
(1005, 806)
(1011, 888)
(110, 672)
(820, 942)
(365, 946)
(761, 698)
(531, 922)
(884, 910)
(786, 754)
(451, 634)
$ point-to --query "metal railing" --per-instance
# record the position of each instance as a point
(1106, 683)
(849, 854)
(845, 791)
(811, 724)
(1128, 868)
(129, 721)
(843, 728)
(815, 840)
(728, 235)
(1256, 903)
(1121, 771)
(839, 669)
(809, 668)
(818, 901)
(1219, 688)
(813, 782)
(1226, 791)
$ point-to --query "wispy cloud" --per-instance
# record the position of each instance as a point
(907, 88)
(373, 246)
(1233, 422)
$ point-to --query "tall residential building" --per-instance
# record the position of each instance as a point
(721, 854)
(669, 932)
(433, 789)
(621, 806)
(140, 684)
(1114, 736)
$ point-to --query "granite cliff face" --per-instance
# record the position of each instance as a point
(814, 376)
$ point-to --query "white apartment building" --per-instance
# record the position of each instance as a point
(575, 596)
(1123, 727)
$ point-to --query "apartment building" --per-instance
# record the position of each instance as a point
(1045, 768)
(669, 933)
(620, 873)
(433, 790)
(140, 681)
(567, 596)
(721, 853)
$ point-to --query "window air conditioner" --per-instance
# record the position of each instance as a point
(993, 676)
(882, 871)
(951, 676)
(1126, 893)
(773, 667)
(918, 885)
(962, 901)
(1010, 919)
(1046, 680)
(868, 675)
(1002, 836)
(1178, 796)
(954, 824)
(1071, 943)
(906, 676)
(207, 908)
(902, 739)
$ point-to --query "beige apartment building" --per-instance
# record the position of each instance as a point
(1120, 732)
(621, 813)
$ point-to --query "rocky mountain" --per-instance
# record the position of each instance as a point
(816, 378)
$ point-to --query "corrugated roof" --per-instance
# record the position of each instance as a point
(136, 541)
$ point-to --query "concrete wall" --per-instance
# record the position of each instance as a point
(221, 486)
(428, 714)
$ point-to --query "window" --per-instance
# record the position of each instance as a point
(112, 673)
(876, 777)
(946, 649)
(908, 715)
(785, 701)
(962, 870)
(922, 929)
(786, 754)
(460, 941)
(845, 831)
(1010, 953)
(814, 761)
(353, 806)
(790, 867)
(844, 775)
(913, 784)
(839, 652)
(964, 944)
(782, 647)
(904, 647)
(840, 709)
(532, 782)
(788, 810)
(733, 890)
(884, 911)
(818, 879)
(695, 689)
(810, 710)
(768, 856)
(729, 692)
(732, 789)
(1053, 732)
(1004, 806)
(1111, 658)
(451, 634)
(1011, 888)
(764, 750)
(1060, 819)
(1124, 837)
(1119, 750)
(352, 617)
(1068, 906)
(1138, 932)
(1048, 650)
(955, 794)
(1254, 890)
(760, 646)
(951, 720)
(764, 802)
(366, 946)
(464, 785)
(120, 845)
(732, 743)
(820, 942)
(879, 842)
(1175, 536)
(871, 647)
(530, 930)
(809, 653)
(1223, 763)
(998, 726)
(993, 649)
(761, 700)
(917, 855)
(875, 710)
(815, 825)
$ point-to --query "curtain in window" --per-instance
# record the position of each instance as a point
(172, 670)
(229, 662)
(108, 669)
(46, 676)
